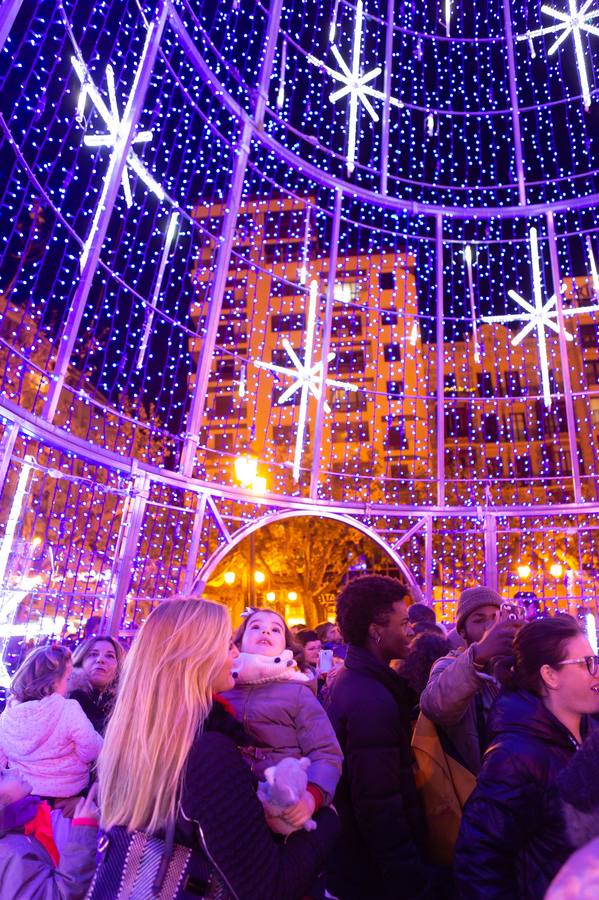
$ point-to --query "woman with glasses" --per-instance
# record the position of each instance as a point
(510, 844)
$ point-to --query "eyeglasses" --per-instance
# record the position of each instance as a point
(592, 663)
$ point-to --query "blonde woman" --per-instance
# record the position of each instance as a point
(171, 756)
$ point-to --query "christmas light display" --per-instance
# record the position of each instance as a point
(308, 378)
(354, 243)
(571, 23)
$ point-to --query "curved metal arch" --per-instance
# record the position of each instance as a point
(221, 552)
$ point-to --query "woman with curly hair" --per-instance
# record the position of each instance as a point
(97, 664)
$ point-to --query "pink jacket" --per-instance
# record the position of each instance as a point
(51, 742)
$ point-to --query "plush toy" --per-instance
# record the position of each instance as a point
(285, 784)
(253, 668)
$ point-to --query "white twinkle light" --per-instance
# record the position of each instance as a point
(112, 138)
(307, 377)
(539, 317)
(356, 84)
(570, 23)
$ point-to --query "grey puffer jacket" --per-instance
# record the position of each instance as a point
(284, 718)
(28, 873)
(450, 699)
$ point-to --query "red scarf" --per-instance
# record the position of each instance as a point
(41, 829)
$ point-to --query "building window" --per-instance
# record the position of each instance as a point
(588, 335)
(279, 390)
(395, 390)
(348, 361)
(223, 405)
(226, 370)
(280, 357)
(456, 422)
(523, 468)
(513, 388)
(387, 281)
(484, 384)
(490, 427)
(224, 441)
(351, 432)
(392, 352)
(519, 426)
(396, 437)
(591, 367)
(389, 317)
(495, 467)
(346, 326)
(284, 435)
(349, 401)
(288, 322)
(357, 432)
(552, 421)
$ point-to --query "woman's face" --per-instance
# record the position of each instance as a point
(101, 664)
(224, 680)
(575, 688)
(264, 634)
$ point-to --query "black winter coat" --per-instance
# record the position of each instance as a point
(510, 845)
(382, 825)
(219, 794)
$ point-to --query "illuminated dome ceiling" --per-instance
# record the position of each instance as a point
(211, 210)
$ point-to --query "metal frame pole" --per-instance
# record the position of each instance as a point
(194, 544)
(131, 523)
(7, 445)
(326, 344)
(490, 537)
(563, 349)
(428, 561)
(387, 93)
(440, 365)
(511, 62)
(223, 259)
(8, 13)
(118, 160)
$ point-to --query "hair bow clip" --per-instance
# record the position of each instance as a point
(248, 611)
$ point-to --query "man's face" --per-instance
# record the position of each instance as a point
(311, 652)
(397, 633)
(478, 622)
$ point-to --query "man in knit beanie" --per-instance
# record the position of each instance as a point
(461, 688)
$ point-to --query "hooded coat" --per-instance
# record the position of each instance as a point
(51, 742)
(509, 847)
(283, 718)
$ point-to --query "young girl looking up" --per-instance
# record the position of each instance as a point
(277, 706)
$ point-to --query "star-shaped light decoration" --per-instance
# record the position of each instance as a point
(307, 377)
(355, 83)
(570, 23)
(111, 138)
(540, 316)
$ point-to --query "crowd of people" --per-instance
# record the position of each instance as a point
(374, 758)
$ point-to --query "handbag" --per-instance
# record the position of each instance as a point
(141, 866)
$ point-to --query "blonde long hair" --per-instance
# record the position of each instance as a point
(164, 697)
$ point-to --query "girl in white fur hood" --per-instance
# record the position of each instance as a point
(276, 704)
(46, 737)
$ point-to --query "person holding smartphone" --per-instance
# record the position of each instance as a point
(461, 687)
